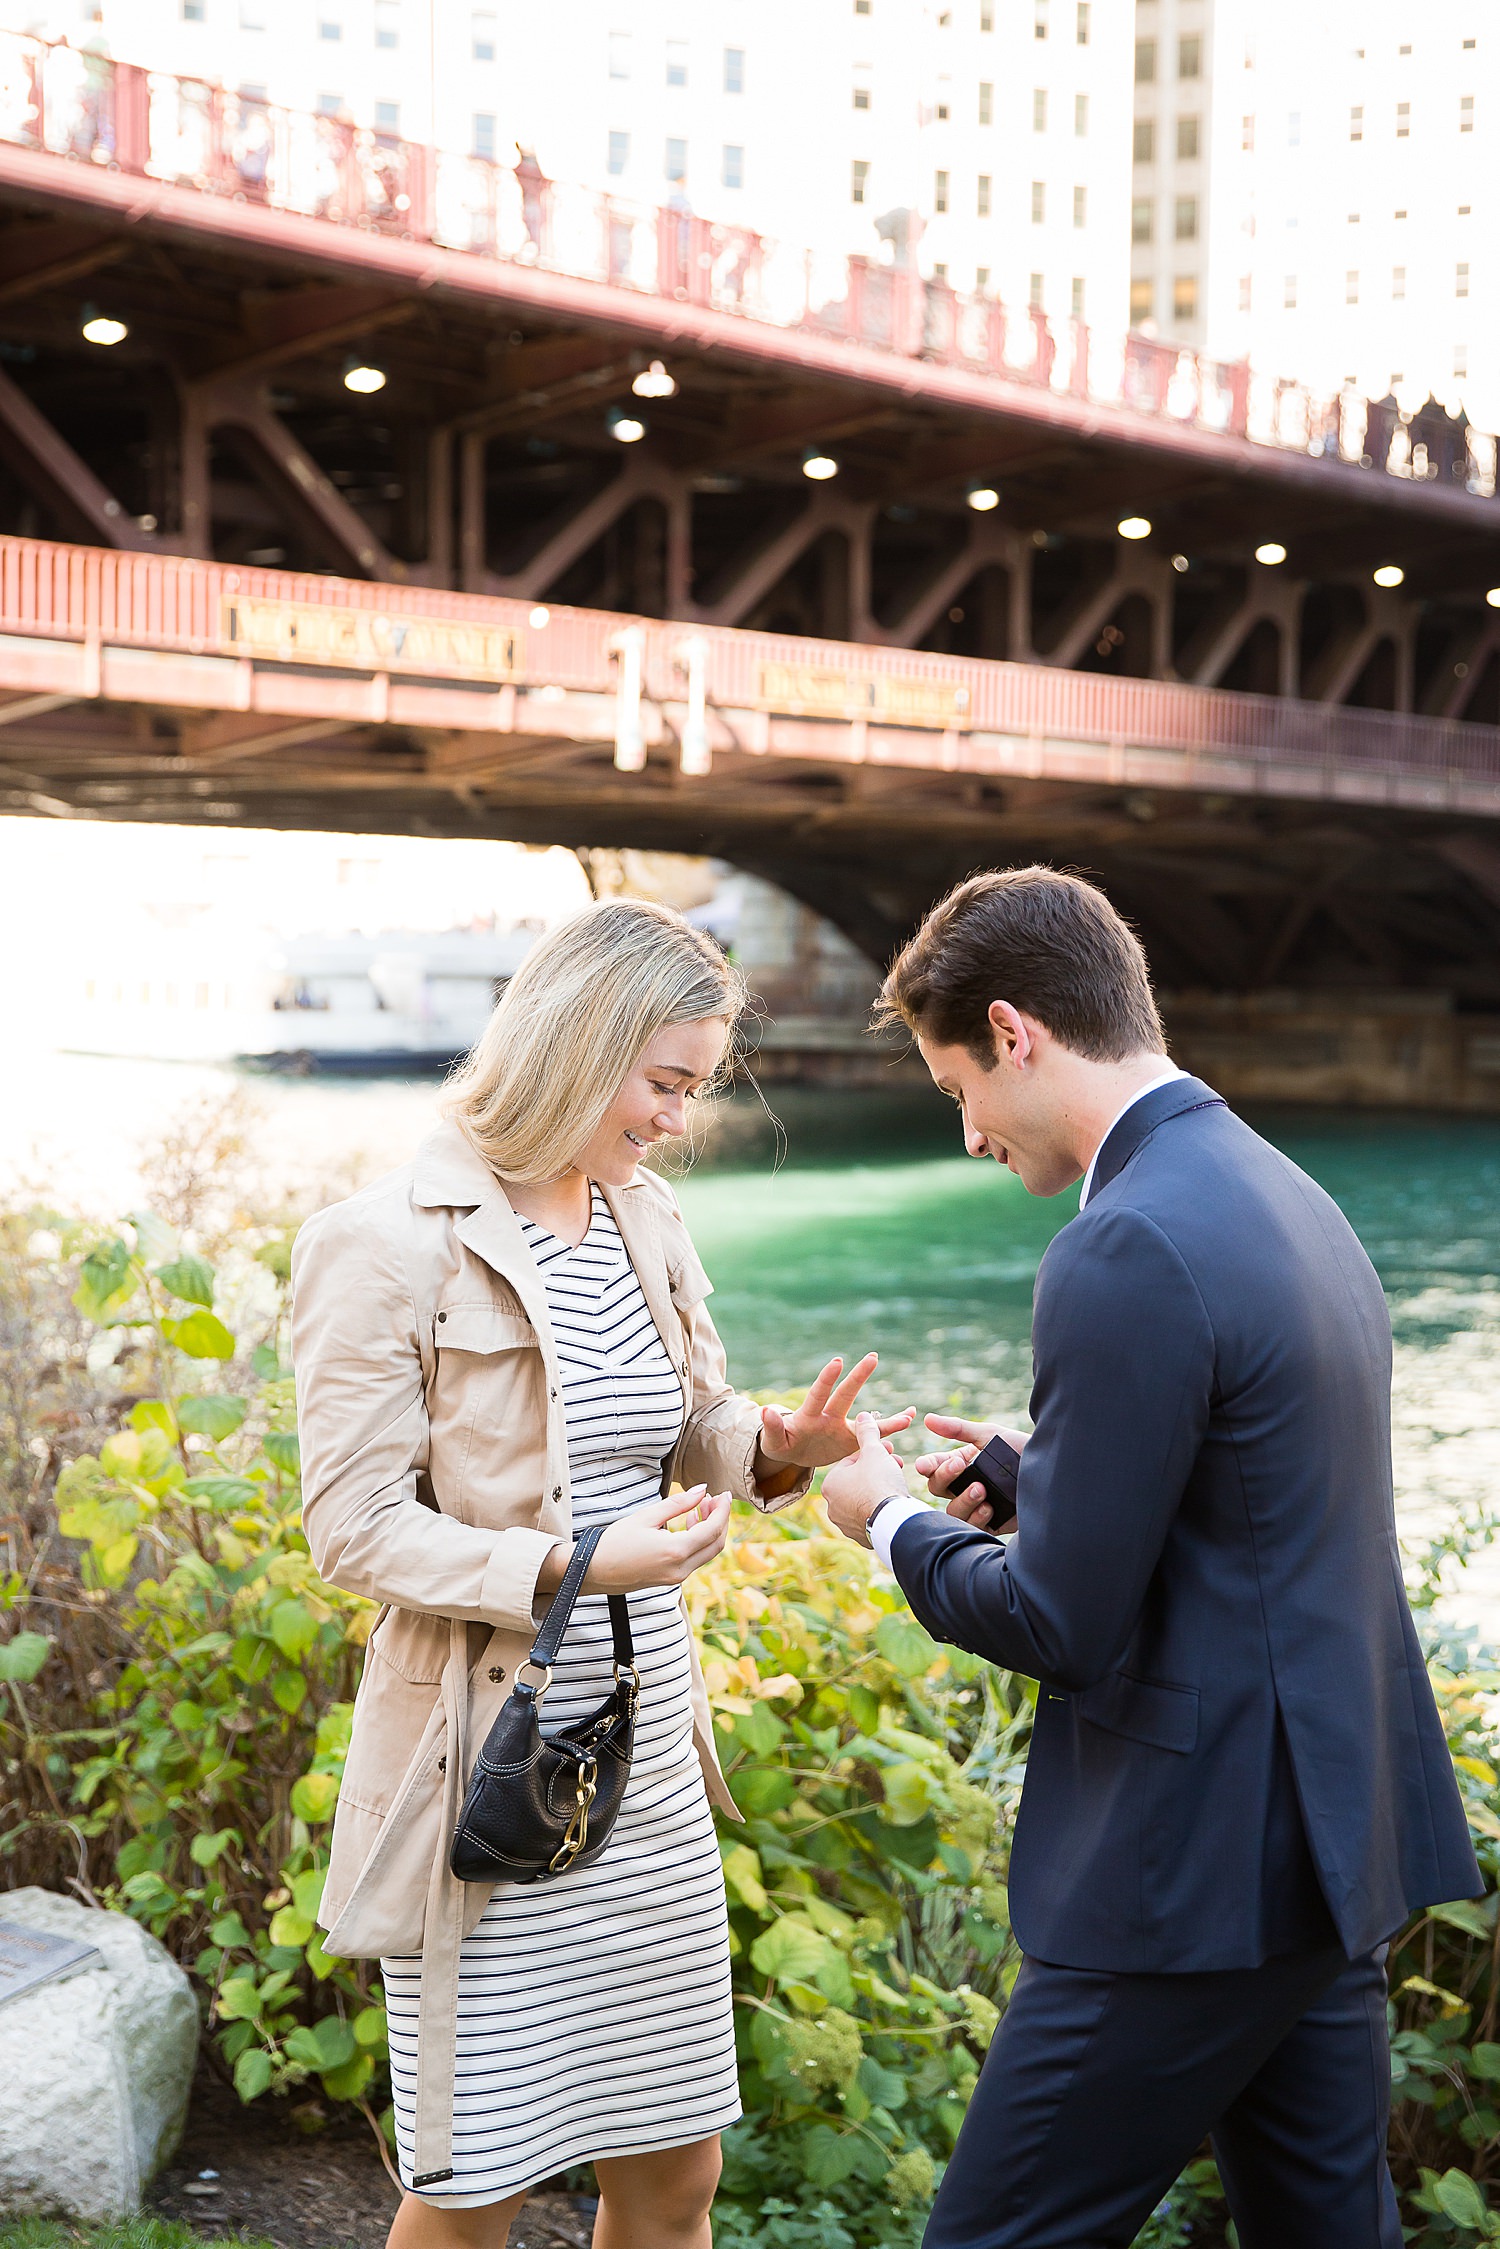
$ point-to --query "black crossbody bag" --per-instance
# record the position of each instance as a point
(537, 1806)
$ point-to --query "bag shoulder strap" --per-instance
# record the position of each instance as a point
(549, 1639)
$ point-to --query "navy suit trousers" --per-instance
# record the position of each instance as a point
(1099, 2088)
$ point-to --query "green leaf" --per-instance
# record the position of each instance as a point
(204, 1849)
(349, 2080)
(742, 1875)
(905, 1646)
(908, 1793)
(289, 1691)
(1459, 2198)
(155, 1240)
(829, 2156)
(238, 1999)
(226, 1492)
(290, 1927)
(265, 1363)
(864, 1708)
(759, 1729)
(22, 1656)
(283, 1451)
(229, 1931)
(105, 1281)
(1464, 1914)
(252, 2073)
(212, 1415)
(314, 1796)
(294, 1628)
(370, 2029)
(762, 1790)
(307, 1890)
(1484, 2060)
(789, 1950)
(154, 1413)
(190, 1278)
(202, 1335)
(885, 2087)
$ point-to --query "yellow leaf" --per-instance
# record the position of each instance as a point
(1477, 1767)
(1483, 1820)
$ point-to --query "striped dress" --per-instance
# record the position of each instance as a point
(594, 2009)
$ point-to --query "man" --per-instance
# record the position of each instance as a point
(1238, 1785)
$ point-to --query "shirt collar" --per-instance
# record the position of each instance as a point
(1169, 1076)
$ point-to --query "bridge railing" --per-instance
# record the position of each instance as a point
(72, 102)
(849, 703)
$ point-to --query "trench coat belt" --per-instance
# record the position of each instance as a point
(442, 1939)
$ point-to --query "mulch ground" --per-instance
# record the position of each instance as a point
(259, 2174)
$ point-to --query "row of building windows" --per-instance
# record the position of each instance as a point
(1184, 219)
(732, 75)
(1184, 299)
(1189, 58)
(1398, 283)
(674, 162)
(942, 194)
(1403, 119)
(1189, 139)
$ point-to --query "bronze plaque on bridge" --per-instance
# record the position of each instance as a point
(889, 698)
(368, 640)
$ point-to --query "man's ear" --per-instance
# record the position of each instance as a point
(1015, 1037)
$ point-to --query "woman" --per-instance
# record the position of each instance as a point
(501, 1344)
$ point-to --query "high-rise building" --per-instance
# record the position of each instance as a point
(988, 141)
(1317, 189)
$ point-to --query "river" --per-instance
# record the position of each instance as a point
(859, 1224)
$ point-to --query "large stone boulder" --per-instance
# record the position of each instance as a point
(95, 2067)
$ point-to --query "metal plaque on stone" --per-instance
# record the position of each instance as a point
(34, 1956)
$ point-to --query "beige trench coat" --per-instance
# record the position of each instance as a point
(435, 1481)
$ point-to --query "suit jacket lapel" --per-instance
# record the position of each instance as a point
(1141, 1120)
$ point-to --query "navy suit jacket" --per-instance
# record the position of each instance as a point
(1235, 1734)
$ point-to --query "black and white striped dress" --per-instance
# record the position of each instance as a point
(594, 2010)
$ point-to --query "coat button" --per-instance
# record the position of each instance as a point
(442, 1764)
(557, 1491)
(552, 1394)
(497, 1672)
(442, 1315)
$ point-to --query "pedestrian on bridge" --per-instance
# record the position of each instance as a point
(502, 1350)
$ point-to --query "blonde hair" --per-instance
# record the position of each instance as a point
(572, 1024)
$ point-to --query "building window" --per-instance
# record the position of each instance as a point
(619, 154)
(1039, 20)
(482, 38)
(861, 7)
(252, 15)
(387, 23)
(1076, 301)
(1142, 303)
(734, 70)
(1403, 121)
(676, 161)
(1466, 114)
(330, 105)
(861, 95)
(1190, 56)
(1080, 206)
(986, 102)
(941, 108)
(1247, 135)
(192, 11)
(1351, 287)
(732, 170)
(1081, 26)
(986, 15)
(1289, 293)
(1245, 292)
(677, 58)
(1080, 116)
(326, 30)
(940, 191)
(1357, 123)
(1036, 294)
(982, 205)
(387, 117)
(1039, 109)
(1461, 281)
(859, 180)
(981, 279)
(1461, 361)
(619, 54)
(1187, 138)
(482, 141)
(1143, 148)
(1142, 219)
(1185, 296)
(1145, 62)
(1294, 128)
(1398, 281)
(940, 272)
(1185, 219)
(1038, 202)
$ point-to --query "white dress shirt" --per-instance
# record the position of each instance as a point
(902, 1510)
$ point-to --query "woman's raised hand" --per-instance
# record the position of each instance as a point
(641, 1550)
(818, 1432)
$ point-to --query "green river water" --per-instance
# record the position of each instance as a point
(874, 1231)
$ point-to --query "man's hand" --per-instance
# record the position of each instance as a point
(852, 1488)
(818, 1432)
(944, 1470)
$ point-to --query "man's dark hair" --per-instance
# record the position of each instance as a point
(1051, 944)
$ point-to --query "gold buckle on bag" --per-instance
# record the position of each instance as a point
(578, 1826)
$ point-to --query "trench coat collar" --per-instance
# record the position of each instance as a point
(1141, 1120)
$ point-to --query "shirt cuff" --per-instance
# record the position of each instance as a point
(889, 1521)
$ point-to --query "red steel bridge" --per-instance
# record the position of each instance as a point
(635, 529)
